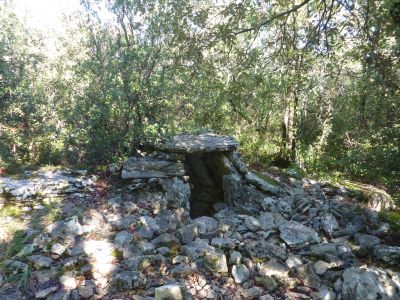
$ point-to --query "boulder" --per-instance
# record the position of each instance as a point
(169, 292)
(261, 183)
(216, 262)
(149, 167)
(197, 249)
(264, 250)
(368, 283)
(207, 142)
(388, 254)
(297, 235)
(188, 233)
(40, 261)
(128, 280)
(367, 241)
(267, 282)
(166, 240)
(208, 226)
(240, 273)
(329, 224)
(147, 227)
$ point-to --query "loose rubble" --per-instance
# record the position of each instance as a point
(141, 240)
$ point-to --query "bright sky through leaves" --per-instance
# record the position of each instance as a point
(45, 14)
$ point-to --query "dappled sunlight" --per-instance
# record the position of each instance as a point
(121, 124)
(132, 241)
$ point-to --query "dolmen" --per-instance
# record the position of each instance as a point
(200, 173)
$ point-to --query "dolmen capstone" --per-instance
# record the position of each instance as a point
(200, 173)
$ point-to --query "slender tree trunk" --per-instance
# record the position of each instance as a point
(293, 152)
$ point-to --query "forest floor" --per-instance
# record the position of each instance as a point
(68, 235)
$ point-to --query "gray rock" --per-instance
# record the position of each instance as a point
(26, 250)
(148, 227)
(266, 297)
(182, 270)
(240, 273)
(273, 268)
(117, 222)
(235, 258)
(297, 235)
(58, 249)
(379, 200)
(85, 291)
(197, 249)
(45, 275)
(66, 228)
(47, 183)
(320, 250)
(320, 267)
(180, 259)
(367, 241)
(383, 228)
(388, 254)
(267, 282)
(307, 274)
(215, 262)
(177, 193)
(252, 293)
(41, 261)
(368, 283)
(268, 204)
(329, 223)
(262, 184)
(284, 208)
(131, 207)
(68, 281)
(146, 247)
(252, 223)
(271, 221)
(224, 243)
(122, 239)
(127, 280)
(188, 233)
(238, 163)
(149, 167)
(46, 292)
(293, 261)
(326, 294)
(264, 250)
(115, 202)
(141, 262)
(166, 240)
(207, 142)
(238, 192)
(208, 226)
(169, 292)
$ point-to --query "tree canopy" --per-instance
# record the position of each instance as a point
(315, 84)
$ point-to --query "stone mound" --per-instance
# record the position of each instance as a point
(211, 164)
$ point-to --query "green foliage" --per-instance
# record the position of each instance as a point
(393, 218)
(15, 245)
(315, 87)
(10, 210)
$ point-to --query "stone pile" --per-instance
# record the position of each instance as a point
(211, 165)
(33, 185)
(302, 240)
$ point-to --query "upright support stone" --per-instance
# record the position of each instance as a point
(149, 167)
(215, 170)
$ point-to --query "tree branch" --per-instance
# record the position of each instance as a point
(277, 16)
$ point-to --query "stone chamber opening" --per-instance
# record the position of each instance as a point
(206, 171)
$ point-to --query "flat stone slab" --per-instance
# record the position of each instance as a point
(149, 167)
(207, 142)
